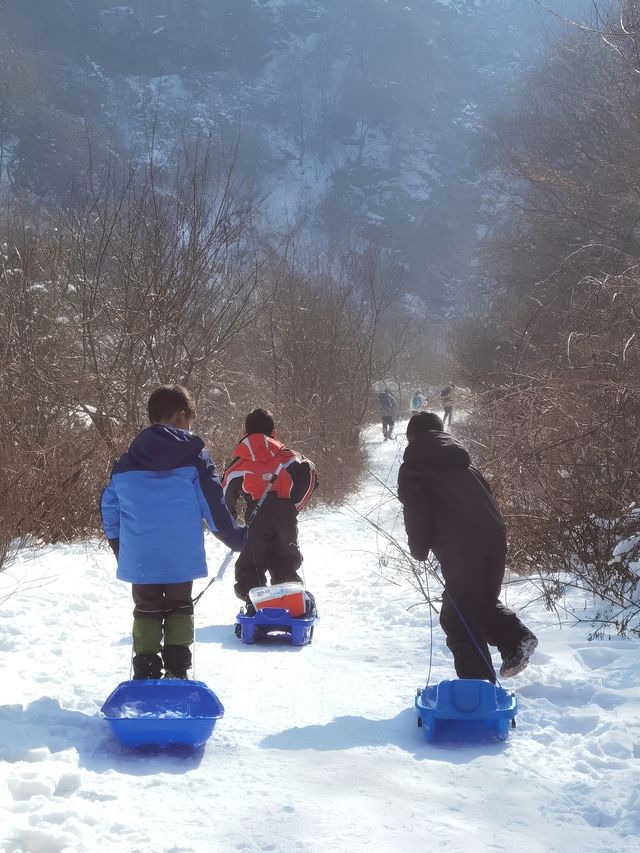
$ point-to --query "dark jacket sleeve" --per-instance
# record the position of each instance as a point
(414, 498)
(213, 507)
(232, 495)
(305, 482)
(479, 476)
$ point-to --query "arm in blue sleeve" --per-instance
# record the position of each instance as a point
(214, 510)
(110, 512)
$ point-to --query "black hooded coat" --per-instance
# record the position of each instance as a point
(447, 503)
(449, 509)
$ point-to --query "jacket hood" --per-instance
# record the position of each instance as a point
(258, 447)
(436, 449)
(161, 448)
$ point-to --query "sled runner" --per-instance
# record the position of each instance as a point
(284, 610)
(151, 712)
(466, 711)
(271, 622)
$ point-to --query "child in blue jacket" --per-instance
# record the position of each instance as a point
(159, 493)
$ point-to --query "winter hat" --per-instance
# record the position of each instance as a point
(423, 422)
(259, 420)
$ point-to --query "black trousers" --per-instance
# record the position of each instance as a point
(387, 425)
(157, 600)
(272, 546)
(473, 578)
(448, 412)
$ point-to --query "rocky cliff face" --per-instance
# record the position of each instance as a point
(363, 114)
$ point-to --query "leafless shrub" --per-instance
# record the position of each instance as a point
(150, 277)
(557, 367)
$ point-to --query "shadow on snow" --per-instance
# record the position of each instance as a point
(45, 725)
(401, 731)
(225, 637)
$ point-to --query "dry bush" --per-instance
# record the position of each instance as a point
(150, 278)
(557, 364)
(559, 433)
(322, 338)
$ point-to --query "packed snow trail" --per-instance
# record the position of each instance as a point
(319, 749)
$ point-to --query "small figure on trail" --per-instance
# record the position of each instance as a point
(447, 399)
(388, 412)
(159, 493)
(449, 509)
(262, 461)
(417, 402)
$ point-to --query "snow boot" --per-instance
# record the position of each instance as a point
(518, 660)
(181, 675)
(177, 660)
(147, 666)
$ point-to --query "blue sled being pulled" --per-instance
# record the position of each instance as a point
(271, 621)
(466, 710)
(162, 713)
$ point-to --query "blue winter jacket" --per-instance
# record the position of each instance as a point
(160, 491)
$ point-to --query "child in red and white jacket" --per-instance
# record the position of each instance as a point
(272, 545)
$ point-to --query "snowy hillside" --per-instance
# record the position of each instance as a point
(319, 749)
(363, 116)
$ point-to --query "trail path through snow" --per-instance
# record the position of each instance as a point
(319, 749)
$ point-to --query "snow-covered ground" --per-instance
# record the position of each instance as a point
(319, 749)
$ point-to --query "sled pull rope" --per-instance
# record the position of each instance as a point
(426, 574)
(265, 493)
(464, 622)
(225, 563)
(471, 635)
(256, 509)
(217, 577)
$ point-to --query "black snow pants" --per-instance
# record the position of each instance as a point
(473, 579)
(388, 424)
(272, 546)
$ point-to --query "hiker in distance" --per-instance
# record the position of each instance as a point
(160, 492)
(388, 412)
(449, 509)
(417, 402)
(447, 399)
(262, 460)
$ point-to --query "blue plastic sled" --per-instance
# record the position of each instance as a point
(272, 621)
(466, 711)
(153, 712)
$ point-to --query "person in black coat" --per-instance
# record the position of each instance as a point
(449, 509)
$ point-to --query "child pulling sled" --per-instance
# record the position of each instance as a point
(159, 493)
(262, 465)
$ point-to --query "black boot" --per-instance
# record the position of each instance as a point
(147, 666)
(177, 660)
(518, 660)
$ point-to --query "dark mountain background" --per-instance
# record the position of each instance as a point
(360, 118)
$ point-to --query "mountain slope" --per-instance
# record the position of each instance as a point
(363, 115)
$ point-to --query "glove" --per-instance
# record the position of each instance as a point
(419, 552)
(115, 546)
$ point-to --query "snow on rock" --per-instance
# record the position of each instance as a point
(319, 749)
